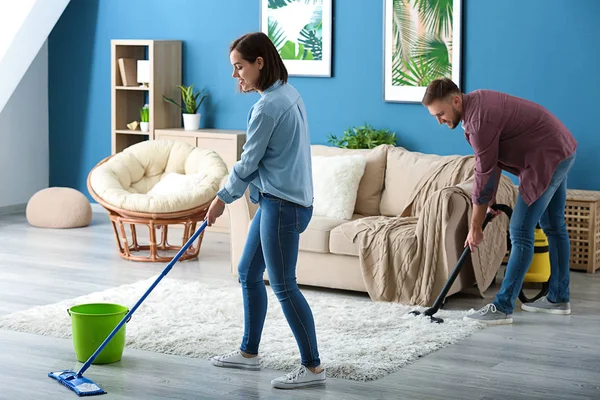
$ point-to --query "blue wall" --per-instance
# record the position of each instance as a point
(544, 51)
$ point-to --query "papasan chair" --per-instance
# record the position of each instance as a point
(157, 183)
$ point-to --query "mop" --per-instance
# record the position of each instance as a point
(83, 386)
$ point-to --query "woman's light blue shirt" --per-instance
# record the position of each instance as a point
(276, 157)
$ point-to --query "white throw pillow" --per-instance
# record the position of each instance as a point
(335, 181)
(174, 183)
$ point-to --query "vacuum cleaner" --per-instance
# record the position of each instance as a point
(539, 269)
(83, 386)
(439, 301)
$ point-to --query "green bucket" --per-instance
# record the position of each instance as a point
(91, 325)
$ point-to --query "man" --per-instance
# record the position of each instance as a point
(518, 136)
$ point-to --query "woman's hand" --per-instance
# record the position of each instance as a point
(215, 210)
(474, 238)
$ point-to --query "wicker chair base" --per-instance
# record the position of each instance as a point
(131, 249)
(158, 226)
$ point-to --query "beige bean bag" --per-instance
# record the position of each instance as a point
(58, 207)
(158, 176)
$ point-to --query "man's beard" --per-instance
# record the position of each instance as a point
(456, 117)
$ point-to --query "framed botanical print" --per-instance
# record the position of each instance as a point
(301, 32)
(422, 42)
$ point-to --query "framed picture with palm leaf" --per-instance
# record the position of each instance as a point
(422, 42)
(301, 32)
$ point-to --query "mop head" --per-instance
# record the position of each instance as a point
(82, 386)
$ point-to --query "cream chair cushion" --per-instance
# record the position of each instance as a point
(189, 177)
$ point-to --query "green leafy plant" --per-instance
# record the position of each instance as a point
(191, 104)
(276, 34)
(288, 52)
(287, 49)
(145, 113)
(273, 4)
(312, 42)
(418, 72)
(308, 45)
(363, 137)
(421, 53)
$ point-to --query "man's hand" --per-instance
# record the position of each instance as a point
(495, 213)
(474, 238)
(215, 210)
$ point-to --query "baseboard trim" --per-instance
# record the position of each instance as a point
(14, 209)
(20, 208)
(97, 208)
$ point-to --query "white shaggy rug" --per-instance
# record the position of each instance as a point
(358, 339)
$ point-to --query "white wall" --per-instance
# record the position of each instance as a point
(24, 149)
(12, 16)
(31, 21)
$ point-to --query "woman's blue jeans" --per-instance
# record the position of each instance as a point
(273, 242)
(549, 211)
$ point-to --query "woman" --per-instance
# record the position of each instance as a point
(276, 165)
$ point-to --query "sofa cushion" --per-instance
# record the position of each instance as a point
(316, 236)
(371, 184)
(339, 244)
(404, 170)
(335, 181)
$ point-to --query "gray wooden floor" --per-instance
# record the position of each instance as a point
(538, 357)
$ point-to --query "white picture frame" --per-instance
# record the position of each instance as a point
(290, 25)
(410, 88)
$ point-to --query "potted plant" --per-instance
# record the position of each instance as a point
(363, 137)
(144, 118)
(190, 106)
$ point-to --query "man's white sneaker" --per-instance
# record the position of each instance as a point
(299, 377)
(235, 359)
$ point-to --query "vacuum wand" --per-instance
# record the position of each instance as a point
(439, 301)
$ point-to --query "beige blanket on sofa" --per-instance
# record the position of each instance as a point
(403, 258)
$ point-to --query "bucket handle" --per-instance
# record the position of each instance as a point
(128, 319)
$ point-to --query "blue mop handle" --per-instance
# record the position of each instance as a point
(126, 318)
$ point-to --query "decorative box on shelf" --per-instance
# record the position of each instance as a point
(226, 143)
(582, 214)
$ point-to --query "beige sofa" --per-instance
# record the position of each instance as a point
(327, 258)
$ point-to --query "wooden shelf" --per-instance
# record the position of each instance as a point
(132, 88)
(165, 75)
(130, 132)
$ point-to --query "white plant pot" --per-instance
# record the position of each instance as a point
(144, 126)
(191, 122)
